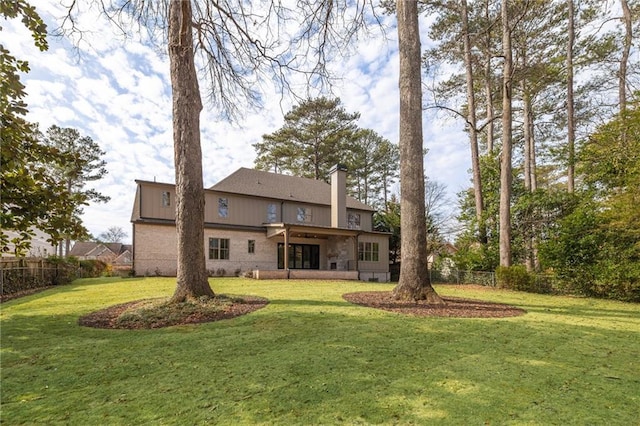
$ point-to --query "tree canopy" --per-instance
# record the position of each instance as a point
(318, 134)
(114, 234)
(239, 45)
(32, 194)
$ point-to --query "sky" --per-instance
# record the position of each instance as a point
(118, 93)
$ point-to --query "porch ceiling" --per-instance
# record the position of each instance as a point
(297, 230)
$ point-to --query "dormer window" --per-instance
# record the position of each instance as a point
(166, 198)
(223, 207)
(353, 221)
(272, 214)
(304, 215)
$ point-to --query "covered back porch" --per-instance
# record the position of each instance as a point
(313, 252)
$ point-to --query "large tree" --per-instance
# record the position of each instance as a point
(85, 165)
(317, 134)
(115, 234)
(32, 195)
(192, 276)
(414, 277)
(373, 165)
(595, 247)
(507, 143)
(240, 44)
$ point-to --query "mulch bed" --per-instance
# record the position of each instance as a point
(455, 307)
(107, 318)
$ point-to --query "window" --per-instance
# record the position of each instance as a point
(218, 248)
(272, 214)
(368, 252)
(304, 214)
(166, 198)
(251, 246)
(353, 221)
(223, 207)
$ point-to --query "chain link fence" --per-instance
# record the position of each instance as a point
(454, 276)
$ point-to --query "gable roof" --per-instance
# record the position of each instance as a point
(81, 248)
(92, 248)
(282, 187)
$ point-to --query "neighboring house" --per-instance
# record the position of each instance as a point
(271, 225)
(115, 254)
(442, 260)
(40, 246)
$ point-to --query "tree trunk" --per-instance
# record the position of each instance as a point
(505, 161)
(626, 49)
(472, 124)
(571, 126)
(528, 164)
(530, 179)
(192, 279)
(414, 277)
(488, 85)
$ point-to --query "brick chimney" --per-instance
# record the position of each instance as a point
(339, 196)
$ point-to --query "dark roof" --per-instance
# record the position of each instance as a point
(282, 187)
(83, 248)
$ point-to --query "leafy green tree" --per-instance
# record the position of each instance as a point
(316, 136)
(85, 165)
(373, 163)
(388, 220)
(31, 195)
(595, 248)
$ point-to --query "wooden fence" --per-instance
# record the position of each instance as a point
(19, 274)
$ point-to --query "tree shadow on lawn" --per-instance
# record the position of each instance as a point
(602, 312)
(38, 293)
(321, 369)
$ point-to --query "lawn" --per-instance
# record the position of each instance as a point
(309, 357)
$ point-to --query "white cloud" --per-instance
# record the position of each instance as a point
(120, 95)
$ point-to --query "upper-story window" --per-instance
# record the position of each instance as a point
(304, 214)
(272, 214)
(166, 198)
(223, 207)
(353, 221)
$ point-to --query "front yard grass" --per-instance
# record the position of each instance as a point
(310, 357)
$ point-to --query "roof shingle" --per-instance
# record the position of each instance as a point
(282, 187)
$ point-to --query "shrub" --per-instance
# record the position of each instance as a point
(514, 278)
(92, 268)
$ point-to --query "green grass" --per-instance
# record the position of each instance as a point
(309, 357)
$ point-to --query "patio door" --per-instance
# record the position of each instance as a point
(301, 256)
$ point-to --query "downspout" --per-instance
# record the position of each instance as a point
(356, 254)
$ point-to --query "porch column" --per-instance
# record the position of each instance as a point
(355, 254)
(286, 250)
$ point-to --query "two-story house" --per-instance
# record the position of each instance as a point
(272, 225)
